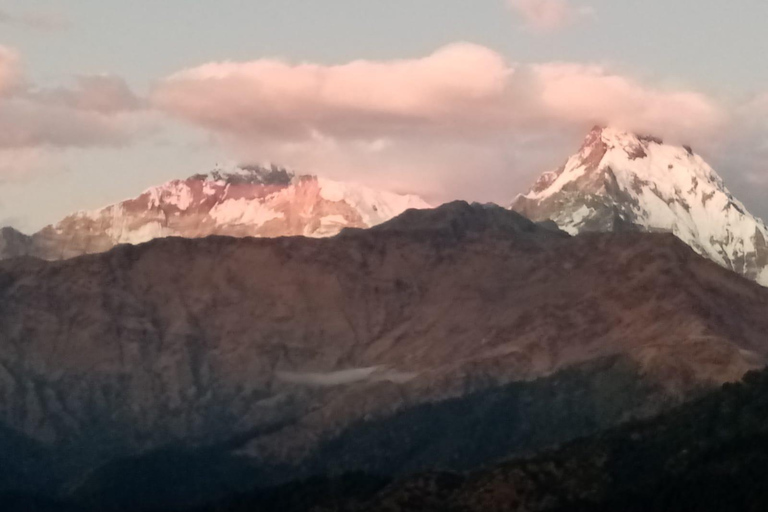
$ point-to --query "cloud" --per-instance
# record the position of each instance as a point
(361, 99)
(576, 93)
(11, 76)
(25, 123)
(549, 15)
(421, 123)
(105, 94)
(462, 91)
(19, 163)
(97, 110)
(37, 20)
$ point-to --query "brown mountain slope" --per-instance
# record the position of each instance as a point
(200, 340)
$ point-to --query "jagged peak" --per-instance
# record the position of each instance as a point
(605, 138)
(613, 136)
(646, 157)
(251, 174)
(655, 186)
(594, 137)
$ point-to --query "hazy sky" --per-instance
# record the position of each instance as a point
(448, 98)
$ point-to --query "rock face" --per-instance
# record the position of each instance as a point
(203, 340)
(251, 201)
(620, 181)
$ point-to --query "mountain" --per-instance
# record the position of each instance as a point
(708, 455)
(249, 201)
(463, 433)
(621, 181)
(13, 243)
(282, 343)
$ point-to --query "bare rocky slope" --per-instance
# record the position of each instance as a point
(622, 181)
(248, 201)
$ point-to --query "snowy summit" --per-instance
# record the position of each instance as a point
(622, 181)
(247, 201)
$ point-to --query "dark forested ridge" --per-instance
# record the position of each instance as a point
(466, 433)
(460, 434)
(709, 455)
(706, 455)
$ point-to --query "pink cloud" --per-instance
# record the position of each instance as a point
(97, 111)
(26, 123)
(19, 163)
(105, 94)
(423, 121)
(547, 15)
(11, 76)
(462, 92)
(575, 93)
(359, 99)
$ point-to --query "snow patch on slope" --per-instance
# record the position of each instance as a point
(175, 193)
(243, 211)
(346, 377)
(375, 206)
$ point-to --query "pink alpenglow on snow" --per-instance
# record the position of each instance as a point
(252, 201)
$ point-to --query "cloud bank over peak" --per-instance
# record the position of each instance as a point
(574, 93)
(464, 106)
(462, 90)
(461, 122)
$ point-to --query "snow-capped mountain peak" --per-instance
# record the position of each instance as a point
(259, 201)
(619, 180)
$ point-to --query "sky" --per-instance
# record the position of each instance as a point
(467, 99)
